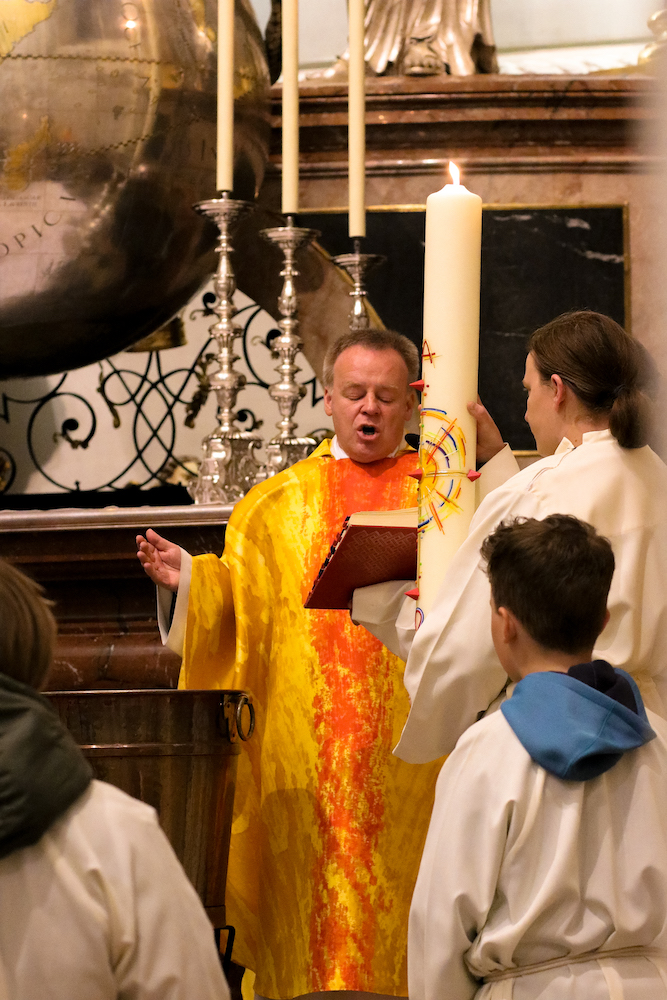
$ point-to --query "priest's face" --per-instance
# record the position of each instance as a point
(370, 401)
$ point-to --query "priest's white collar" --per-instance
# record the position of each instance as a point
(336, 449)
(338, 452)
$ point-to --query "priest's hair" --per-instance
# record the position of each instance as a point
(374, 340)
(27, 628)
(554, 576)
(609, 371)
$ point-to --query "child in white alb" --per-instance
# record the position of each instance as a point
(544, 874)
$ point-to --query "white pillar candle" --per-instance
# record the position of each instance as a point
(449, 370)
(290, 107)
(356, 126)
(224, 165)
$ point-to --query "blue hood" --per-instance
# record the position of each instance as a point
(572, 730)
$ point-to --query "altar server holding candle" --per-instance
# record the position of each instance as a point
(449, 372)
(586, 380)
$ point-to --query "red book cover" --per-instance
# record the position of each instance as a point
(373, 547)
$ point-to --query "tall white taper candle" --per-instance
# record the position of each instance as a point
(449, 370)
(356, 110)
(224, 164)
(290, 107)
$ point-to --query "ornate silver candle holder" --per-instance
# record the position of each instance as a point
(285, 448)
(228, 468)
(357, 265)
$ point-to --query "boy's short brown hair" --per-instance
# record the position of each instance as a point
(27, 628)
(554, 575)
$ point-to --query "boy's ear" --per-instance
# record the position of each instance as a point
(558, 389)
(509, 631)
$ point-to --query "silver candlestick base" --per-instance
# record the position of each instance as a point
(357, 265)
(285, 448)
(228, 468)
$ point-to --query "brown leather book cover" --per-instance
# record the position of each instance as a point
(373, 547)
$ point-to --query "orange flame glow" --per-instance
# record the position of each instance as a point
(455, 173)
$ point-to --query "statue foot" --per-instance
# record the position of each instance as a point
(421, 59)
(337, 71)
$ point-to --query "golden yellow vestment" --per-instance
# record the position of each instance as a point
(329, 826)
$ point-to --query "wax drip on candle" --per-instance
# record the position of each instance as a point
(455, 173)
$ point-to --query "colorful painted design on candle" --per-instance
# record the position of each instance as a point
(443, 464)
(443, 493)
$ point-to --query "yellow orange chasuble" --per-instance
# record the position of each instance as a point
(329, 826)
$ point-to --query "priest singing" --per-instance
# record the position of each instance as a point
(329, 826)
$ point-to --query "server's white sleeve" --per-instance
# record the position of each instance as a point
(495, 473)
(378, 609)
(173, 635)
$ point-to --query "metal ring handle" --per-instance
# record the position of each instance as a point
(244, 700)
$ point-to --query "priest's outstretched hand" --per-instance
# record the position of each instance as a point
(489, 438)
(160, 558)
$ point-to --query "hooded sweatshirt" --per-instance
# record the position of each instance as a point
(42, 770)
(578, 725)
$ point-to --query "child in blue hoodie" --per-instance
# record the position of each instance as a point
(544, 873)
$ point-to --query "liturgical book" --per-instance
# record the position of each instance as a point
(373, 546)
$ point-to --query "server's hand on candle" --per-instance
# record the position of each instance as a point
(489, 438)
(160, 558)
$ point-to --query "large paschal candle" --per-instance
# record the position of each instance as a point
(449, 371)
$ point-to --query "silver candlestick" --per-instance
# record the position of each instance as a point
(285, 448)
(228, 468)
(356, 265)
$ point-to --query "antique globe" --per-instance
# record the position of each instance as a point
(107, 139)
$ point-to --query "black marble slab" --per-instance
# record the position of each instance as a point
(537, 262)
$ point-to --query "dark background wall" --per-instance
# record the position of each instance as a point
(536, 264)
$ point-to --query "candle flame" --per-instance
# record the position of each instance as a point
(455, 173)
